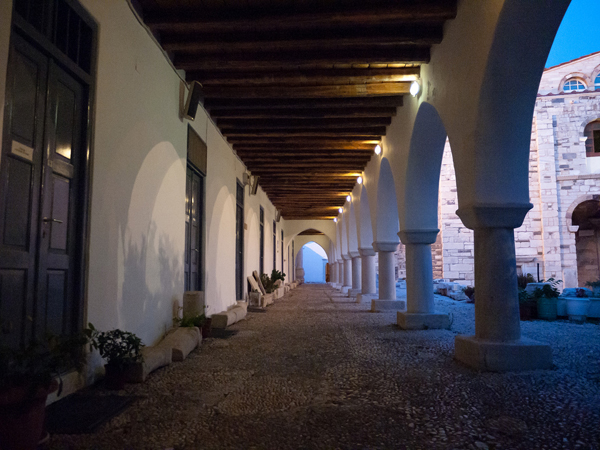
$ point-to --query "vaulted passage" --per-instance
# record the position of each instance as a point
(317, 370)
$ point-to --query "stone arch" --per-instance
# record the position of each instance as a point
(364, 222)
(588, 119)
(386, 212)
(309, 274)
(578, 201)
(419, 201)
(585, 79)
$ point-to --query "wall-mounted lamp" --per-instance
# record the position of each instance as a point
(415, 88)
(378, 149)
(341, 210)
(335, 219)
(348, 198)
(359, 180)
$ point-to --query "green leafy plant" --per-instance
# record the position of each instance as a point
(547, 291)
(119, 348)
(267, 283)
(524, 280)
(277, 275)
(191, 321)
(580, 293)
(524, 296)
(41, 361)
(593, 284)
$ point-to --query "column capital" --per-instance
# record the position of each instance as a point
(491, 215)
(354, 254)
(368, 251)
(346, 257)
(385, 246)
(425, 236)
(340, 261)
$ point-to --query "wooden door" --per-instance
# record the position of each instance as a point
(42, 190)
(193, 227)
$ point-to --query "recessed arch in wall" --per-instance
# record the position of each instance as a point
(387, 220)
(365, 238)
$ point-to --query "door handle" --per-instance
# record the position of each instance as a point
(46, 219)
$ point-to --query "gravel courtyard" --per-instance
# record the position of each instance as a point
(318, 371)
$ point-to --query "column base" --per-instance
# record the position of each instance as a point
(493, 356)
(345, 289)
(365, 297)
(353, 292)
(387, 305)
(428, 321)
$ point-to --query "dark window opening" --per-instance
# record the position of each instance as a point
(592, 143)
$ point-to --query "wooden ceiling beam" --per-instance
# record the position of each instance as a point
(243, 21)
(274, 124)
(292, 145)
(314, 113)
(334, 90)
(341, 133)
(295, 103)
(318, 38)
(291, 156)
(398, 54)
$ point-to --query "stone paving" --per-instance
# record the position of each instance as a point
(318, 371)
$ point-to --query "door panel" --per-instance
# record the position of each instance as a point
(20, 178)
(193, 230)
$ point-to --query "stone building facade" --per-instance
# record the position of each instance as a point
(559, 237)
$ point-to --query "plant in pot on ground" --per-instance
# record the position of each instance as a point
(203, 323)
(120, 349)
(267, 283)
(595, 285)
(27, 376)
(547, 298)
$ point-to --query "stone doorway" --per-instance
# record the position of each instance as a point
(587, 216)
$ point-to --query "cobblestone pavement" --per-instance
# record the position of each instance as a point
(318, 371)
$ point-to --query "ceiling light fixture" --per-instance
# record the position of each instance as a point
(378, 149)
(415, 88)
(359, 180)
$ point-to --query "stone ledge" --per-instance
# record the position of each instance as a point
(229, 317)
(387, 305)
(365, 297)
(492, 356)
(417, 321)
(181, 342)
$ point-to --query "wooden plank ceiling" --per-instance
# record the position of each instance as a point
(302, 89)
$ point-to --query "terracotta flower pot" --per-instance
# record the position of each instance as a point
(22, 416)
(115, 377)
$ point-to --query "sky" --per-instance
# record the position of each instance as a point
(579, 32)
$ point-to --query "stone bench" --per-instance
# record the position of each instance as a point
(182, 341)
(232, 315)
(154, 358)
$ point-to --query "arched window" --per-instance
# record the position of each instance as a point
(574, 86)
(597, 82)
(592, 143)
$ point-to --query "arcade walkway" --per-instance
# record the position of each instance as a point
(317, 371)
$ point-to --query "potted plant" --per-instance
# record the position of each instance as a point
(27, 376)
(578, 306)
(267, 283)
(546, 299)
(527, 306)
(203, 323)
(120, 349)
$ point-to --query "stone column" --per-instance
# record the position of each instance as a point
(299, 269)
(368, 275)
(420, 309)
(497, 344)
(356, 274)
(387, 280)
(332, 274)
(347, 274)
(340, 283)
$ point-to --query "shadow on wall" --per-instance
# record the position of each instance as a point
(152, 272)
